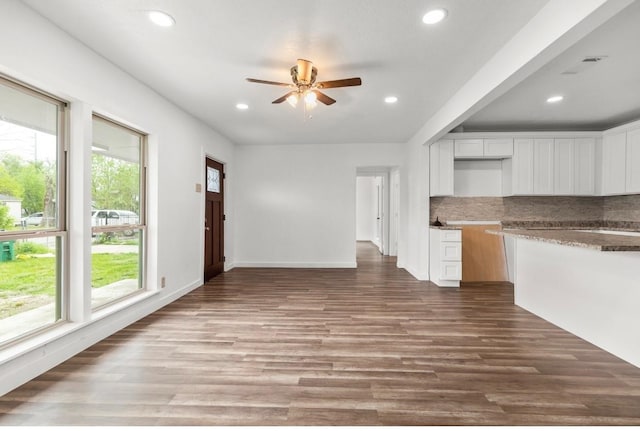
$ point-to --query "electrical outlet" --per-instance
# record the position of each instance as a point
(163, 282)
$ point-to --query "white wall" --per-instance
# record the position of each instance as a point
(477, 178)
(366, 208)
(295, 204)
(415, 198)
(38, 53)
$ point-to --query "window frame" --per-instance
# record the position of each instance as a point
(141, 226)
(60, 230)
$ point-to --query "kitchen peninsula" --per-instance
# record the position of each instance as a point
(586, 282)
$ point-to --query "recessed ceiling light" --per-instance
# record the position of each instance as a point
(161, 19)
(554, 99)
(434, 16)
(390, 99)
(242, 106)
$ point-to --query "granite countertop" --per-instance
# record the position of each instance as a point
(597, 241)
(446, 227)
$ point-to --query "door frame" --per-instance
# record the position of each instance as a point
(202, 189)
(394, 210)
(388, 241)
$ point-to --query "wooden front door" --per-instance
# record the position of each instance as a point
(214, 220)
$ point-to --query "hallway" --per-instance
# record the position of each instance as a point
(365, 346)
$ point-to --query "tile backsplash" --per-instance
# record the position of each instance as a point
(622, 208)
(554, 210)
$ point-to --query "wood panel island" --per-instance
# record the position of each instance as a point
(584, 281)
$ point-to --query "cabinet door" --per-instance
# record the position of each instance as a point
(441, 168)
(498, 147)
(522, 167)
(469, 148)
(614, 164)
(450, 251)
(633, 162)
(584, 150)
(451, 235)
(451, 271)
(543, 166)
(563, 167)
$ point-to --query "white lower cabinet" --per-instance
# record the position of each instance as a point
(451, 271)
(450, 251)
(445, 257)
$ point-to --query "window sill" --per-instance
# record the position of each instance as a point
(63, 329)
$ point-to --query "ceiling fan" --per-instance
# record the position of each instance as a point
(305, 87)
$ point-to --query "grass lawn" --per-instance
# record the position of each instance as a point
(33, 279)
(108, 268)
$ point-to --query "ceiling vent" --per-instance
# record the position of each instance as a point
(584, 64)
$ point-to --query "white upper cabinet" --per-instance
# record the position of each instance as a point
(522, 167)
(441, 168)
(498, 148)
(547, 166)
(469, 148)
(543, 166)
(563, 166)
(543, 163)
(574, 167)
(584, 150)
(483, 148)
(633, 162)
(614, 177)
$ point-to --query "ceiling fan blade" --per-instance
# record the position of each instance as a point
(324, 98)
(283, 98)
(262, 81)
(349, 82)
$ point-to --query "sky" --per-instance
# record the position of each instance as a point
(29, 144)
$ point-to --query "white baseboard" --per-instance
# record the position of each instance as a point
(295, 264)
(418, 275)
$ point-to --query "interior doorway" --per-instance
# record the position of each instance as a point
(377, 207)
(214, 219)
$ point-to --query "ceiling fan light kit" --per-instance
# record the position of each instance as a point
(305, 87)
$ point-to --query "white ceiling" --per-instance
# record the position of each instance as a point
(601, 96)
(201, 63)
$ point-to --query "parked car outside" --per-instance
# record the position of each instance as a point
(114, 218)
(34, 219)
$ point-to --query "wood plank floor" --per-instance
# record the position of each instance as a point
(370, 346)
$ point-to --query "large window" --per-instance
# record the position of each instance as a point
(32, 211)
(118, 212)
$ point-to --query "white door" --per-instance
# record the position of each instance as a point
(380, 213)
(394, 211)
